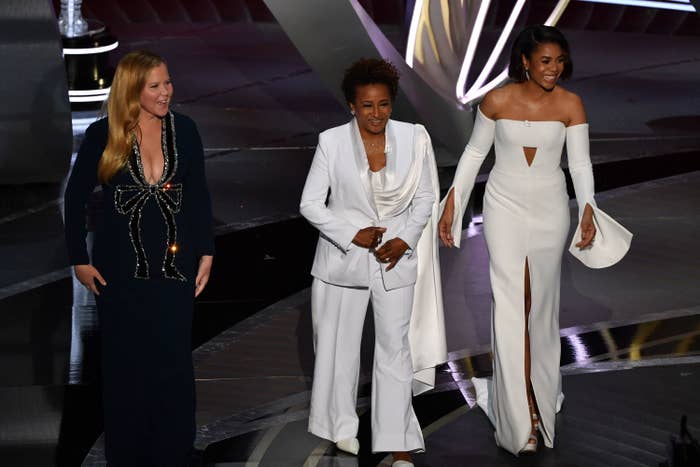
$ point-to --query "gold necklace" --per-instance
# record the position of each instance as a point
(370, 144)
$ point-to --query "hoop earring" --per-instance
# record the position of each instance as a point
(527, 74)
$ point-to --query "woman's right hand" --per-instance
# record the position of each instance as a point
(446, 221)
(369, 237)
(86, 274)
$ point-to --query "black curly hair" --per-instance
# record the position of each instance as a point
(527, 42)
(370, 71)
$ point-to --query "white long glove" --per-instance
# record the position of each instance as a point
(580, 167)
(469, 164)
(612, 241)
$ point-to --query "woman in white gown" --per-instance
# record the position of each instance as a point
(526, 222)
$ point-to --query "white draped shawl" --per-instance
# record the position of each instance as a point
(427, 328)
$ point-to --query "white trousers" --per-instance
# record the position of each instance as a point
(338, 315)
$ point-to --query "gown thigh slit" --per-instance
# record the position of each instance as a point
(533, 406)
(527, 299)
(526, 223)
(532, 400)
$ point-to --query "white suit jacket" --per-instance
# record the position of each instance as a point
(338, 201)
(340, 165)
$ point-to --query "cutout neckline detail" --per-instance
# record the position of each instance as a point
(530, 152)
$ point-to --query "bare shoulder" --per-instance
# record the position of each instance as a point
(495, 101)
(568, 98)
(572, 106)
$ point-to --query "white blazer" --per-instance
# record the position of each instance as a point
(340, 165)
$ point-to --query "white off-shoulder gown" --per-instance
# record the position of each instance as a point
(526, 217)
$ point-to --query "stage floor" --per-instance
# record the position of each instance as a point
(630, 356)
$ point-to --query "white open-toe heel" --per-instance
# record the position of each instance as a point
(531, 446)
(402, 464)
(350, 445)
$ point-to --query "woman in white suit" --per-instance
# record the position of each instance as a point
(371, 190)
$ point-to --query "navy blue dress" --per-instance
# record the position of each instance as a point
(147, 247)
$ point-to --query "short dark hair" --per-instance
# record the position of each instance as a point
(370, 71)
(527, 42)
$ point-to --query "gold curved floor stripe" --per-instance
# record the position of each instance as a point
(264, 444)
(317, 454)
(433, 427)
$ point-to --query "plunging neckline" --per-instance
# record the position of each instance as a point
(164, 150)
(366, 154)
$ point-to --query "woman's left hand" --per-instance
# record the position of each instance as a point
(588, 229)
(203, 271)
(391, 252)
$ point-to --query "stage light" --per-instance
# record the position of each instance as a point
(80, 124)
(580, 350)
(91, 50)
(480, 86)
(477, 90)
(471, 48)
(498, 48)
(677, 5)
(413, 31)
(93, 95)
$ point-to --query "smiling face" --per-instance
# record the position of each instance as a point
(545, 65)
(156, 93)
(372, 107)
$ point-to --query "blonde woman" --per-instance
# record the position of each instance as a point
(152, 255)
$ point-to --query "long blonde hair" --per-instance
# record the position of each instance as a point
(123, 109)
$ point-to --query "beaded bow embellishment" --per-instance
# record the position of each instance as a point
(130, 200)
